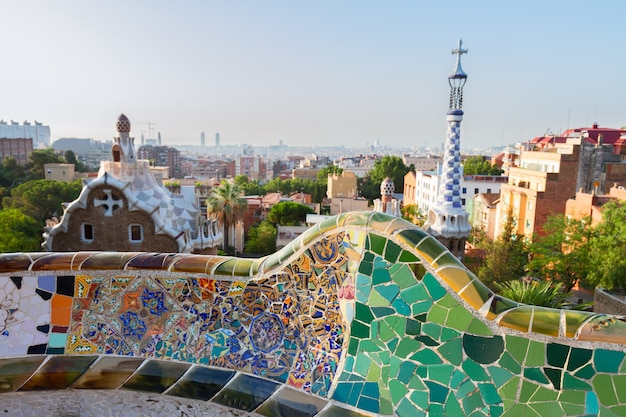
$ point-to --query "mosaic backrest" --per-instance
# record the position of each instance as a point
(362, 314)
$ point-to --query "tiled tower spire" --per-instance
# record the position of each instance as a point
(447, 220)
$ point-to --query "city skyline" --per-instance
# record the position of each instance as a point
(321, 73)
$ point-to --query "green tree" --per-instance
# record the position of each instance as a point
(479, 165)
(42, 199)
(388, 166)
(607, 249)
(70, 158)
(506, 257)
(11, 173)
(20, 232)
(228, 206)
(322, 174)
(249, 187)
(288, 213)
(41, 157)
(261, 239)
(562, 254)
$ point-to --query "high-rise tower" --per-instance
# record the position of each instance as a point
(447, 220)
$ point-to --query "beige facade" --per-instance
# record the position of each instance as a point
(343, 185)
(59, 172)
(484, 213)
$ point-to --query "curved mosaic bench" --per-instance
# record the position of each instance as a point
(362, 314)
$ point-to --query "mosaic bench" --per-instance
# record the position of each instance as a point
(364, 314)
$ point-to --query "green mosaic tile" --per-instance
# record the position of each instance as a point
(377, 243)
(477, 327)
(507, 362)
(401, 307)
(389, 292)
(578, 358)
(415, 293)
(499, 305)
(412, 237)
(521, 410)
(413, 327)
(475, 371)
(377, 300)
(406, 372)
(430, 248)
(453, 409)
(535, 355)
(483, 350)
(435, 289)
(536, 374)
(517, 347)
(459, 318)
(618, 411)
(572, 397)
(607, 360)
(427, 357)
(465, 389)
(555, 376)
(392, 251)
(420, 398)
(362, 364)
(436, 410)
(544, 394)
(557, 354)
(407, 256)
(380, 276)
(489, 393)
(441, 373)
(406, 347)
(472, 402)
(398, 390)
(570, 382)
(547, 409)
(328, 224)
(363, 313)
(382, 311)
(448, 333)
(438, 314)
(432, 329)
(366, 268)
(603, 386)
(499, 376)
(403, 276)
(619, 382)
(360, 330)
(586, 372)
(509, 390)
(527, 391)
(476, 294)
(452, 351)
(572, 410)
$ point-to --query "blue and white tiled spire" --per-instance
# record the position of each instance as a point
(447, 220)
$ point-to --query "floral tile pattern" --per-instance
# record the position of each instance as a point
(363, 310)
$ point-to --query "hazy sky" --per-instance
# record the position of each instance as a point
(324, 72)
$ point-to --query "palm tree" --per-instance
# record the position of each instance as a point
(226, 205)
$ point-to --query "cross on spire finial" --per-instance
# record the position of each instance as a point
(459, 49)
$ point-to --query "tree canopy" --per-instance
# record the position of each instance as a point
(39, 158)
(288, 213)
(607, 249)
(479, 165)
(20, 232)
(562, 254)
(261, 239)
(41, 199)
(322, 174)
(388, 166)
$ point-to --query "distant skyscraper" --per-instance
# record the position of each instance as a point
(447, 220)
(159, 138)
(217, 139)
(202, 139)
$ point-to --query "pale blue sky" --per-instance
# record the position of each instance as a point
(312, 72)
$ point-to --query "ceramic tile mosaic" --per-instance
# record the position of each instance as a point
(364, 314)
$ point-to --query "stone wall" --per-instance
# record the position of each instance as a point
(604, 302)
